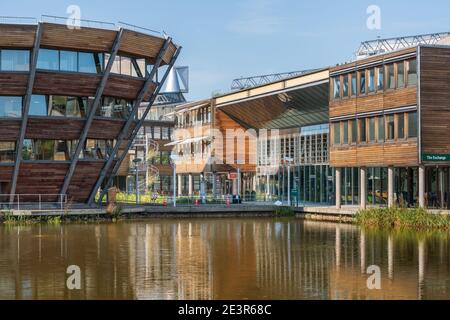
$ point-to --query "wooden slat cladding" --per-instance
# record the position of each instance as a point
(84, 179)
(17, 36)
(88, 39)
(6, 173)
(9, 129)
(123, 87)
(14, 84)
(376, 155)
(435, 100)
(70, 84)
(105, 128)
(41, 178)
(146, 46)
(54, 128)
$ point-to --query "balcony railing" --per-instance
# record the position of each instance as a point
(41, 202)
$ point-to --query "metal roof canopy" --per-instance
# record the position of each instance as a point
(295, 107)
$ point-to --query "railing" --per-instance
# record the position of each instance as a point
(132, 27)
(41, 202)
(17, 20)
(82, 22)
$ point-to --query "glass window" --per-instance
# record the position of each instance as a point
(10, 107)
(7, 151)
(390, 76)
(401, 75)
(401, 126)
(115, 108)
(48, 59)
(412, 72)
(390, 127)
(62, 106)
(337, 87)
(345, 86)
(362, 82)
(89, 62)
(371, 80)
(138, 68)
(354, 84)
(15, 60)
(98, 149)
(125, 66)
(337, 133)
(381, 129)
(44, 149)
(165, 133)
(345, 133)
(69, 61)
(412, 125)
(372, 130)
(116, 65)
(362, 131)
(354, 131)
(157, 133)
(380, 77)
(38, 105)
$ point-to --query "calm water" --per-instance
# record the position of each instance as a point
(220, 259)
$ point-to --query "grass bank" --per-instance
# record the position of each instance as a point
(401, 218)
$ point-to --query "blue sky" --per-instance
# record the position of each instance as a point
(227, 39)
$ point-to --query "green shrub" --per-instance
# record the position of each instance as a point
(285, 212)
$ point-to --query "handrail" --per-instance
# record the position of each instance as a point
(133, 27)
(83, 22)
(37, 201)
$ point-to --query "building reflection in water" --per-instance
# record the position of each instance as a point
(220, 259)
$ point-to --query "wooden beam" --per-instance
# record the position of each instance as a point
(139, 125)
(149, 81)
(26, 108)
(92, 112)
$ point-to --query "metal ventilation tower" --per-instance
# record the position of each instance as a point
(380, 46)
(246, 83)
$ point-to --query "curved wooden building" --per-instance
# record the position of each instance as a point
(68, 105)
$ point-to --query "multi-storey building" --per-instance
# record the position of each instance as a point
(68, 104)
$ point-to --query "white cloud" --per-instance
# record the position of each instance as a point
(258, 17)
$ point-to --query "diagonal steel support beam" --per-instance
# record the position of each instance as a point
(124, 132)
(92, 111)
(26, 109)
(138, 126)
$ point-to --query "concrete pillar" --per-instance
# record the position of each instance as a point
(338, 187)
(268, 186)
(214, 191)
(422, 186)
(391, 187)
(191, 185)
(363, 188)
(180, 185)
(442, 187)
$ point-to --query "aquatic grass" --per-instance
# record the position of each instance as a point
(285, 212)
(402, 218)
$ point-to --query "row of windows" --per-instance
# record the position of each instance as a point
(64, 106)
(377, 79)
(378, 129)
(157, 132)
(194, 118)
(71, 61)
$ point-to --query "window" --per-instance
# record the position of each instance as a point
(401, 75)
(380, 79)
(381, 129)
(38, 106)
(372, 130)
(412, 125)
(354, 84)
(139, 68)
(48, 59)
(412, 72)
(115, 108)
(69, 61)
(345, 135)
(157, 133)
(362, 131)
(390, 84)
(345, 86)
(362, 82)
(7, 151)
(48, 150)
(371, 80)
(63, 106)
(337, 87)
(390, 127)
(354, 132)
(337, 133)
(125, 66)
(10, 107)
(98, 149)
(15, 60)
(90, 62)
(401, 126)
(165, 133)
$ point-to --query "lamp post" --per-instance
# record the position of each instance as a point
(174, 158)
(289, 161)
(136, 167)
